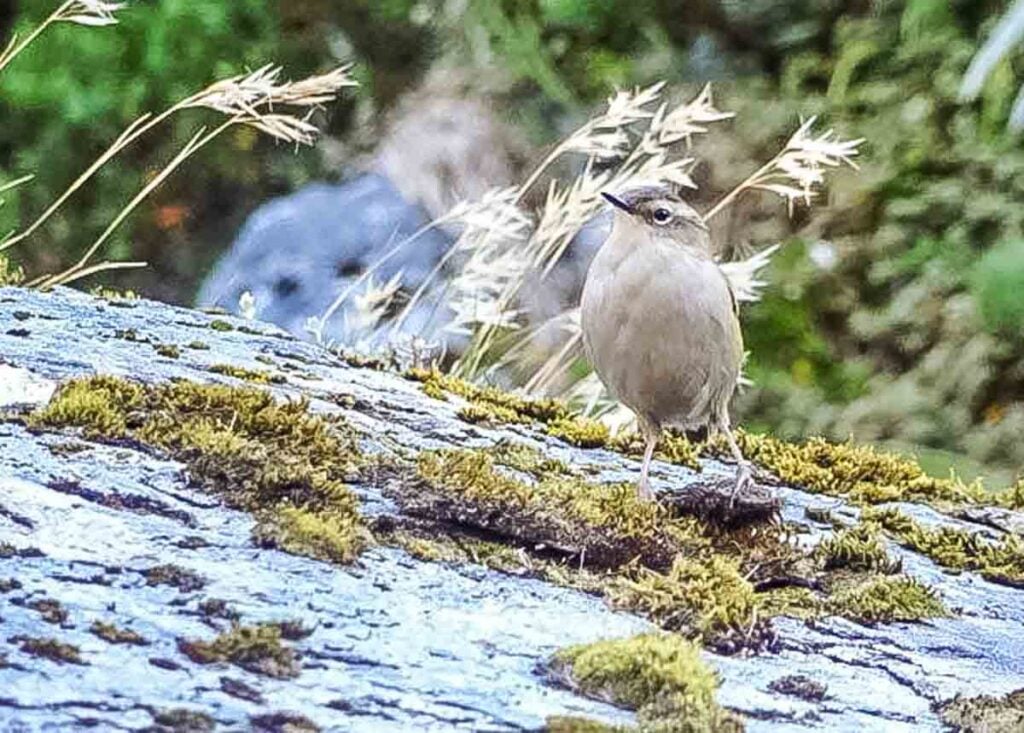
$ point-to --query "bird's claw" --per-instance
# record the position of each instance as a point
(744, 480)
(644, 492)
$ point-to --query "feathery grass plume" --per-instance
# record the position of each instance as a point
(81, 12)
(371, 305)
(798, 169)
(258, 99)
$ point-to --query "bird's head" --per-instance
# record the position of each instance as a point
(661, 212)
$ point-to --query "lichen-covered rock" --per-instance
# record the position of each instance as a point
(171, 555)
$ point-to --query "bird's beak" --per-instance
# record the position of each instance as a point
(617, 202)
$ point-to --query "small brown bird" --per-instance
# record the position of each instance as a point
(660, 321)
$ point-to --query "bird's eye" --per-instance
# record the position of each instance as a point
(662, 215)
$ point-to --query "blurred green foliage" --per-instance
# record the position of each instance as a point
(998, 287)
(75, 89)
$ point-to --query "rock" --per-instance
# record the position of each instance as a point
(297, 253)
(117, 536)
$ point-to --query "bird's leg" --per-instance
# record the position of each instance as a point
(643, 489)
(744, 473)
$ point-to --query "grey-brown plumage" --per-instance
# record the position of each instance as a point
(660, 323)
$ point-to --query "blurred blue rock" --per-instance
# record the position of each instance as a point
(297, 253)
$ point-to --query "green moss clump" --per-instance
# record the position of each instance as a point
(860, 473)
(112, 634)
(887, 599)
(185, 580)
(9, 274)
(488, 414)
(112, 294)
(859, 548)
(325, 534)
(52, 649)
(673, 447)
(999, 561)
(576, 724)
(792, 601)
(527, 459)
(50, 609)
(661, 676)
(608, 520)
(169, 351)
(183, 720)
(219, 325)
(255, 648)
(985, 714)
(198, 345)
(261, 455)
(579, 431)
(705, 596)
(248, 375)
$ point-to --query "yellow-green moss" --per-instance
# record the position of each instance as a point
(527, 459)
(198, 345)
(999, 561)
(887, 599)
(169, 351)
(615, 507)
(254, 648)
(111, 294)
(323, 534)
(219, 325)
(705, 595)
(576, 724)
(51, 649)
(183, 720)
(858, 548)
(249, 375)
(460, 550)
(985, 714)
(673, 447)
(858, 472)
(661, 676)
(269, 457)
(10, 275)
(488, 414)
(112, 634)
(792, 601)
(50, 609)
(579, 431)
(185, 580)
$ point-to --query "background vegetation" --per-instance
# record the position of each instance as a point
(894, 312)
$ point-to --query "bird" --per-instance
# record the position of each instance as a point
(660, 322)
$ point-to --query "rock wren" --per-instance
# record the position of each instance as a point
(660, 322)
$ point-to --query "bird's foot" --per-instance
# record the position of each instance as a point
(644, 492)
(744, 480)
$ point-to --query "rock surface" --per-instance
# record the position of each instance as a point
(396, 643)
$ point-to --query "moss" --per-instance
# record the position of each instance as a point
(112, 294)
(527, 459)
(182, 720)
(282, 723)
(261, 455)
(705, 596)
(198, 345)
(50, 609)
(185, 580)
(461, 550)
(999, 561)
(607, 521)
(169, 351)
(254, 648)
(859, 548)
(801, 686)
(579, 431)
(112, 634)
(248, 375)
(792, 601)
(887, 599)
(217, 608)
(576, 724)
(10, 275)
(323, 534)
(661, 676)
(52, 649)
(219, 325)
(860, 473)
(985, 714)
(490, 405)
(488, 414)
